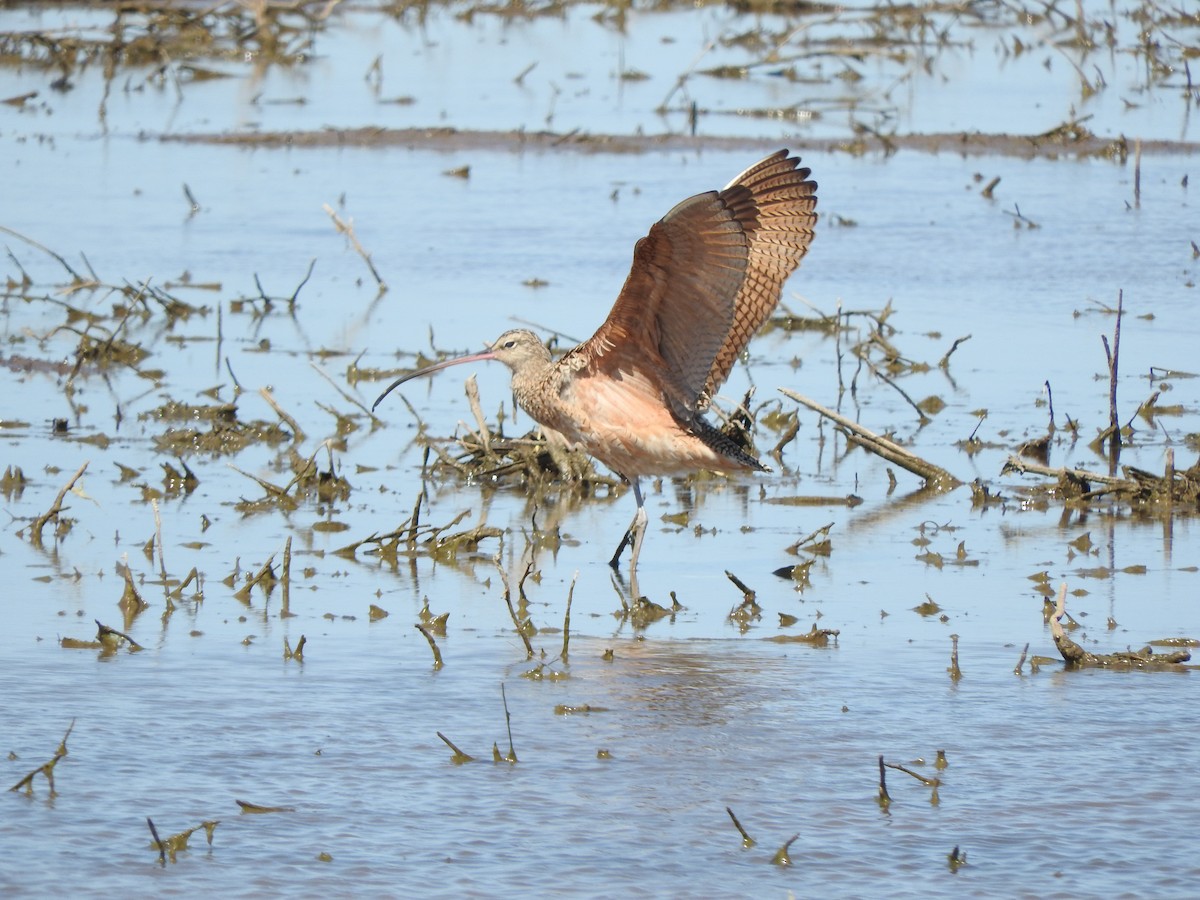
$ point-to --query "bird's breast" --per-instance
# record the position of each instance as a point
(623, 421)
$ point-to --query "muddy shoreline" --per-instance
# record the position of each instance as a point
(1060, 142)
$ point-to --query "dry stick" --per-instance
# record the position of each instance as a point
(954, 670)
(512, 611)
(55, 508)
(881, 446)
(747, 841)
(1021, 661)
(928, 782)
(944, 363)
(567, 619)
(32, 243)
(345, 396)
(162, 848)
(47, 769)
(347, 229)
(485, 436)
(884, 799)
(297, 431)
(296, 293)
(437, 655)
(286, 609)
(512, 753)
(162, 562)
(459, 756)
(1137, 173)
(1023, 466)
(781, 857)
(1113, 358)
(748, 593)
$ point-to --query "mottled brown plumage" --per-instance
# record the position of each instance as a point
(703, 281)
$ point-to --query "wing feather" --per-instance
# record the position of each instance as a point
(703, 281)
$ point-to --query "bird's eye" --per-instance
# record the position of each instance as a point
(508, 345)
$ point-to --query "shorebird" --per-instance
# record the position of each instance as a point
(703, 281)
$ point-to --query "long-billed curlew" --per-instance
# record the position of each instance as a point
(703, 281)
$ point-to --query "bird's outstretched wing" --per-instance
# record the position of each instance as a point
(703, 280)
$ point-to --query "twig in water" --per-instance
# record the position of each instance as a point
(158, 842)
(296, 293)
(567, 619)
(1021, 662)
(944, 363)
(459, 756)
(437, 654)
(884, 799)
(32, 243)
(748, 593)
(781, 857)
(347, 228)
(345, 395)
(35, 534)
(512, 753)
(520, 626)
(285, 610)
(935, 476)
(297, 432)
(747, 841)
(954, 670)
(1114, 359)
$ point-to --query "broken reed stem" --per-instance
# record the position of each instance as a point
(781, 857)
(472, 391)
(35, 534)
(567, 619)
(747, 841)
(884, 799)
(320, 371)
(162, 562)
(459, 756)
(944, 362)
(512, 611)
(297, 432)
(286, 580)
(103, 631)
(935, 476)
(415, 519)
(437, 654)
(954, 670)
(298, 653)
(1021, 662)
(1113, 357)
(1137, 173)
(32, 243)
(1017, 464)
(748, 594)
(158, 842)
(46, 769)
(512, 753)
(347, 228)
(928, 782)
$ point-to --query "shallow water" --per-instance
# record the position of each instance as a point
(1059, 783)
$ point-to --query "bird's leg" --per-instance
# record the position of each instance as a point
(633, 534)
(638, 530)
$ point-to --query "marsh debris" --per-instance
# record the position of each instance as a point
(814, 637)
(47, 768)
(1144, 659)
(169, 847)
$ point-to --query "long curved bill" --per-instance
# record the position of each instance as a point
(428, 370)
